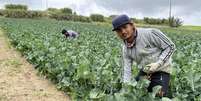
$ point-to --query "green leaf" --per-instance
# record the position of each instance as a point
(156, 89)
(166, 99)
(96, 94)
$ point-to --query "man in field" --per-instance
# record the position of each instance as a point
(149, 48)
(70, 33)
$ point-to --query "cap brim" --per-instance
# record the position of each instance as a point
(113, 29)
(121, 25)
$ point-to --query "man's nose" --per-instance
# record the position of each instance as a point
(124, 32)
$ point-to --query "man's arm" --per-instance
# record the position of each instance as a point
(73, 33)
(127, 63)
(164, 43)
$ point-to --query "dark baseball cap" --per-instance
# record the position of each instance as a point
(119, 21)
(63, 31)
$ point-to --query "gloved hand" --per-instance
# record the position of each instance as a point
(152, 67)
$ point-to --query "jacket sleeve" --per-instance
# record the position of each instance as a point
(73, 33)
(127, 63)
(160, 40)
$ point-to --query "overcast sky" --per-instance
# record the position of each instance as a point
(188, 10)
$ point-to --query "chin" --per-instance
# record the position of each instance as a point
(128, 37)
(125, 38)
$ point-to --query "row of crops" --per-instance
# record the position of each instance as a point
(89, 67)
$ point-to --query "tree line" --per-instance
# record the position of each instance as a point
(22, 11)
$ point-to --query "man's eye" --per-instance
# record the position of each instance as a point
(118, 30)
(124, 27)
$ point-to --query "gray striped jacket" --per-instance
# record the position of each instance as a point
(151, 46)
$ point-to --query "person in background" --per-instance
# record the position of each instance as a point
(149, 48)
(70, 33)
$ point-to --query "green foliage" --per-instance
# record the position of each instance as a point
(135, 20)
(20, 11)
(66, 14)
(89, 67)
(66, 10)
(97, 17)
(81, 18)
(175, 22)
(61, 16)
(155, 21)
(62, 10)
(53, 10)
(112, 16)
(22, 14)
(16, 7)
(1, 12)
(69, 17)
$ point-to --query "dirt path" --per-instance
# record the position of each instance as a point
(19, 80)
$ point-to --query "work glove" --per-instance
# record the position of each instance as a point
(152, 67)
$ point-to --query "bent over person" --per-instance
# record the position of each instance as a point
(150, 48)
(70, 33)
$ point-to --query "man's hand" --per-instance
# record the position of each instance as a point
(152, 67)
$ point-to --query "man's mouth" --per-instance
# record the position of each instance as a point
(124, 36)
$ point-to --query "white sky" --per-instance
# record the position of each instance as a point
(190, 14)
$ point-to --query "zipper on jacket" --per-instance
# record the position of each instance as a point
(161, 77)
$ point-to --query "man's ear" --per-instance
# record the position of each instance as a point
(133, 24)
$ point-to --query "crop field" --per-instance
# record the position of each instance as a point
(90, 68)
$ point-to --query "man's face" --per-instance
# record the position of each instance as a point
(125, 31)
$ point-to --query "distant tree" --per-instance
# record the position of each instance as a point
(135, 20)
(16, 7)
(175, 22)
(113, 16)
(1, 12)
(66, 10)
(97, 17)
(156, 21)
(53, 9)
(74, 13)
